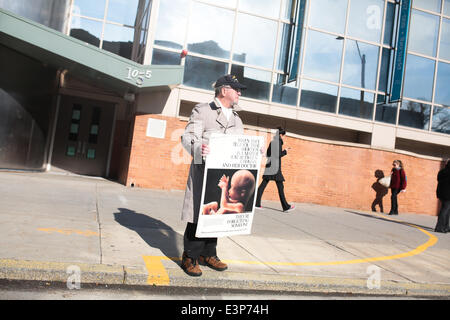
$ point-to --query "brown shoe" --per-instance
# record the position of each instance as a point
(212, 262)
(190, 266)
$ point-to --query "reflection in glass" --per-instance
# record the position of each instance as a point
(226, 3)
(255, 41)
(286, 9)
(257, 81)
(122, 11)
(419, 73)
(386, 62)
(284, 93)
(442, 94)
(444, 49)
(441, 120)
(171, 26)
(284, 43)
(431, 5)
(86, 30)
(269, 8)
(51, 13)
(414, 114)
(360, 64)
(318, 96)
(209, 30)
(163, 57)
(447, 7)
(328, 14)
(323, 56)
(202, 73)
(365, 19)
(118, 40)
(89, 8)
(423, 33)
(356, 103)
(390, 25)
(385, 112)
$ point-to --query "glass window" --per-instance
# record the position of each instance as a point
(318, 96)
(286, 9)
(86, 30)
(441, 120)
(202, 73)
(323, 56)
(444, 49)
(163, 57)
(442, 94)
(51, 13)
(360, 64)
(386, 62)
(171, 26)
(118, 40)
(328, 14)
(419, 73)
(89, 8)
(356, 103)
(431, 5)
(122, 11)
(385, 112)
(447, 8)
(365, 19)
(283, 45)
(209, 30)
(269, 8)
(257, 81)
(415, 115)
(284, 93)
(423, 33)
(226, 3)
(390, 25)
(255, 41)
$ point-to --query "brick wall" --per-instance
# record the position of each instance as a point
(320, 173)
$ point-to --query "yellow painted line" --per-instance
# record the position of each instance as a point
(157, 271)
(86, 233)
(157, 274)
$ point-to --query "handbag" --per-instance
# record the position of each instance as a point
(386, 181)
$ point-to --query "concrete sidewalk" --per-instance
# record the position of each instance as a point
(52, 225)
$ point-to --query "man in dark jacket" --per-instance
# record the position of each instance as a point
(443, 194)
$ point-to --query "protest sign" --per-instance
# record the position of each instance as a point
(229, 185)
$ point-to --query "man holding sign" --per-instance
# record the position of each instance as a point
(218, 116)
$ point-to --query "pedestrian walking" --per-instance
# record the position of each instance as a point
(397, 185)
(217, 116)
(443, 194)
(273, 170)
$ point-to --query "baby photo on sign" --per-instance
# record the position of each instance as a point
(229, 191)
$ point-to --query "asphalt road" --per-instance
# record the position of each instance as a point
(41, 290)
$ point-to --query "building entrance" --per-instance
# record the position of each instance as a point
(83, 135)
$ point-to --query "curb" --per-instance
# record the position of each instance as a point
(24, 270)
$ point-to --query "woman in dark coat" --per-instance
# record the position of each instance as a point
(398, 184)
(443, 194)
(273, 170)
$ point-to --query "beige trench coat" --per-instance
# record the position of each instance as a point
(205, 119)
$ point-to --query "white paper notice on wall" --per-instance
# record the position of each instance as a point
(156, 128)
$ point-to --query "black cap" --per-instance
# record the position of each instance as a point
(281, 130)
(229, 80)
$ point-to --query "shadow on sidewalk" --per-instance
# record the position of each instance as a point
(399, 222)
(380, 191)
(154, 232)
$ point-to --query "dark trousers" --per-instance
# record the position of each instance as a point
(194, 247)
(394, 203)
(443, 218)
(280, 188)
